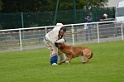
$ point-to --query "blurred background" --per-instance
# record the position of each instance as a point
(33, 13)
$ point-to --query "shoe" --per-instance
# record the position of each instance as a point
(54, 64)
(66, 61)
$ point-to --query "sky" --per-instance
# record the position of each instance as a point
(112, 3)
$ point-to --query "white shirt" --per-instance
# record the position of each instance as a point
(53, 34)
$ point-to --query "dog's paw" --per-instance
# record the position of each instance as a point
(83, 62)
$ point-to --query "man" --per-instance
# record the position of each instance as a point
(88, 27)
(105, 16)
(88, 19)
(52, 37)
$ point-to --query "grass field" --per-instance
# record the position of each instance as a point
(107, 65)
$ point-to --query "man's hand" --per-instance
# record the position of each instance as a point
(61, 40)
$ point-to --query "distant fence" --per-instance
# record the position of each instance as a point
(32, 38)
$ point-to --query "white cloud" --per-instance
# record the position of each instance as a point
(112, 3)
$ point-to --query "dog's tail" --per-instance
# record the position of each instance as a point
(90, 55)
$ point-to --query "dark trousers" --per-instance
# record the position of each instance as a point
(89, 33)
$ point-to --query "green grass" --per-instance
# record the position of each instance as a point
(107, 65)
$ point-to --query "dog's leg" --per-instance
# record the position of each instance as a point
(86, 59)
(70, 57)
(63, 61)
(83, 59)
(86, 56)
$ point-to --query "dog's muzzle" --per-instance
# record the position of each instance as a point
(56, 44)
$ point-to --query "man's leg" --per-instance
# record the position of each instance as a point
(61, 55)
(86, 33)
(53, 60)
(53, 52)
(91, 34)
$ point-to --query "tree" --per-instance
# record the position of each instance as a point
(46, 5)
(68, 4)
(0, 4)
(93, 3)
(24, 5)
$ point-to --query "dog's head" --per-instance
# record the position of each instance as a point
(59, 45)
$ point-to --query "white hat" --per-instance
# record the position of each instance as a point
(105, 15)
(59, 24)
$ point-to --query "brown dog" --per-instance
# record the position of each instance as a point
(72, 52)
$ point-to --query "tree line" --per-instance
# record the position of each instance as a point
(13, 6)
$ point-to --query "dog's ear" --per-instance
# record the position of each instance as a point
(58, 45)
